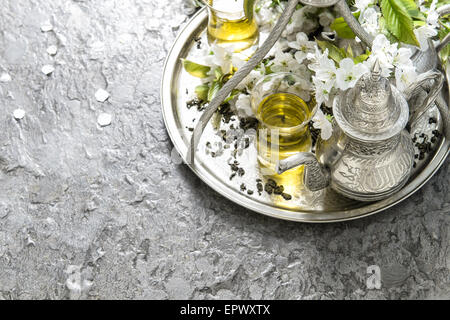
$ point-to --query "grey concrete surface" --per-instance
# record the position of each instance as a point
(102, 213)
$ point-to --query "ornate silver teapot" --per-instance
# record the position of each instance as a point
(370, 154)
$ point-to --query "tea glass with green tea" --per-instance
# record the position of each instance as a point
(284, 109)
(232, 25)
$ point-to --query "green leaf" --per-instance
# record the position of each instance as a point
(335, 53)
(248, 9)
(418, 23)
(342, 29)
(329, 117)
(215, 87)
(413, 10)
(195, 69)
(399, 21)
(218, 73)
(202, 92)
(386, 32)
(361, 58)
(232, 95)
(349, 51)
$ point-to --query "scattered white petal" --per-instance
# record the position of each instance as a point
(46, 26)
(48, 69)
(19, 114)
(5, 77)
(52, 50)
(101, 95)
(104, 119)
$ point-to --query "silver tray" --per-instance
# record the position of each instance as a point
(305, 206)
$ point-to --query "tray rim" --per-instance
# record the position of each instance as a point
(171, 65)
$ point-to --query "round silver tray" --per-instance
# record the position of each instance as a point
(306, 206)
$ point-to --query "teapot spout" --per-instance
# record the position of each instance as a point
(316, 176)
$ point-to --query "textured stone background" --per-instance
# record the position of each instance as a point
(90, 212)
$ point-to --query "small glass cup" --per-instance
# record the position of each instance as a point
(229, 26)
(284, 106)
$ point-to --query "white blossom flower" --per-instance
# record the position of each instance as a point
(303, 45)
(243, 106)
(280, 45)
(324, 68)
(250, 80)
(384, 52)
(322, 90)
(321, 122)
(423, 33)
(432, 14)
(402, 58)
(223, 58)
(405, 77)
(348, 73)
(265, 16)
(362, 6)
(369, 21)
(284, 62)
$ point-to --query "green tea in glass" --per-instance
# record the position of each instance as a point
(230, 26)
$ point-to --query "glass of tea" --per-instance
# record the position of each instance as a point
(284, 106)
(232, 25)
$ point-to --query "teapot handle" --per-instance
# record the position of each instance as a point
(431, 81)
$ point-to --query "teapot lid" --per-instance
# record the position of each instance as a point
(373, 110)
